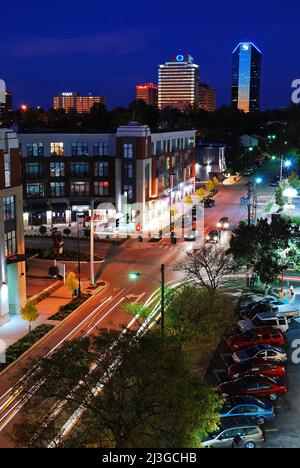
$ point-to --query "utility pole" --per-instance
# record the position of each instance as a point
(92, 245)
(78, 258)
(162, 270)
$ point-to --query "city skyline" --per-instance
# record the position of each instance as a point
(119, 57)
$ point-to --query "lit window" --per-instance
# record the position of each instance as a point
(57, 149)
(10, 243)
(128, 151)
(101, 188)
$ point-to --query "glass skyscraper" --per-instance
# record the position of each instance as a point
(246, 71)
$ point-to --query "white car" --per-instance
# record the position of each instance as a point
(267, 319)
(265, 352)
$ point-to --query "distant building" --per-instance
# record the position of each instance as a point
(73, 101)
(251, 141)
(207, 97)
(178, 83)
(12, 249)
(6, 106)
(148, 93)
(246, 73)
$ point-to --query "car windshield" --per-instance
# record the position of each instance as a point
(257, 322)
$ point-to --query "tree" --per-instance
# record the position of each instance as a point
(280, 201)
(29, 313)
(294, 181)
(200, 193)
(72, 282)
(199, 320)
(138, 310)
(149, 399)
(188, 200)
(210, 186)
(67, 232)
(209, 265)
(260, 247)
(43, 230)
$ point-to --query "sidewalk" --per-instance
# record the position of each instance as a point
(17, 328)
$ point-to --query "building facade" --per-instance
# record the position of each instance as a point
(207, 97)
(12, 249)
(63, 173)
(6, 104)
(178, 83)
(148, 93)
(73, 101)
(246, 74)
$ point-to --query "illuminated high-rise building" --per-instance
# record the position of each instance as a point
(73, 101)
(178, 83)
(148, 93)
(246, 72)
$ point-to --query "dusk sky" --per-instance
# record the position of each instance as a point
(107, 47)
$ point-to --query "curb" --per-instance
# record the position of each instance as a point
(61, 323)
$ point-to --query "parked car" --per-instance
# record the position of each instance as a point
(245, 299)
(213, 237)
(291, 311)
(265, 320)
(258, 386)
(251, 434)
(191, 236)
(264, 335)
(269, 301)
(266, 352)
(258, 308)
(223, 224)
(209, 202)
(254, 367)
(247, 406)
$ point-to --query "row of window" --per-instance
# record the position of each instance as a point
(168, 146)
(57, 169)
(58, 189)
(9, 208)
(37, 149)
(10, 241)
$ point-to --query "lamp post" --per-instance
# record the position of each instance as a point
(78, 257)
(136, 275)
(172, 174)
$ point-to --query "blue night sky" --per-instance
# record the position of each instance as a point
(106, 47)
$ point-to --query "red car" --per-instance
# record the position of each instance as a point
(263, 335)
(254, 367)
(258, 386)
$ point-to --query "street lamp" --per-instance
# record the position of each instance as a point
(135, 275)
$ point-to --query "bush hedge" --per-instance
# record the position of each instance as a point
(67, 309)
(16, 350)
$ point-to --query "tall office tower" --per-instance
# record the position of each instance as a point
(207, 97)
(73, 101)
(246, 72)
(66, 101)
(12, 248)
(178, 83)
(84, 104)
(148, 93)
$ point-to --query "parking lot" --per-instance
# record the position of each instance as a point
(284, 431)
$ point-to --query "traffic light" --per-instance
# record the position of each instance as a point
(127, 218)
(117, 223)
(138, 227)
(194, 213)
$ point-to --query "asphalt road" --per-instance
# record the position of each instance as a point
(105, 310)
